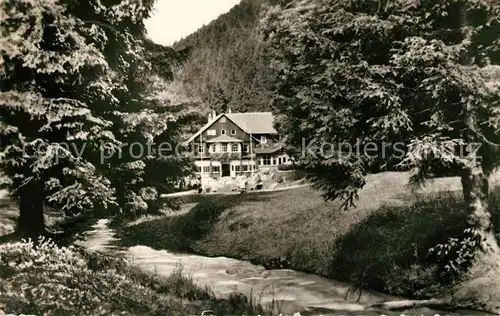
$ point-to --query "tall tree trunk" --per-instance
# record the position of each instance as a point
(480, 287)
(31, 223)
(475, 188)
(475, 175)
(476, 191)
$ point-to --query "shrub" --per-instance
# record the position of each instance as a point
(395, 249)
(287, 167)
(456, 256)
(296, 175)
(288, 175)
(57, 280)
(43, 278)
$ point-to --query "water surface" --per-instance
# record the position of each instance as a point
(291, 291)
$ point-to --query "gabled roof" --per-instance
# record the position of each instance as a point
(254, 122)
(210, 123)
(223, 139)
(250, 122)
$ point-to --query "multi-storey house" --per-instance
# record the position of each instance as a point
(233, 144)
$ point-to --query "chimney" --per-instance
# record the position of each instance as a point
(228, 110)
(210, 118)
(214, 114)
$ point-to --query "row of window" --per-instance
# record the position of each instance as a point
(268, 160)
(239, 168)
(206, 169)
(213, 132)
(224, 148)
(216, 169)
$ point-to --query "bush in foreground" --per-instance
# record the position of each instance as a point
(43, 279)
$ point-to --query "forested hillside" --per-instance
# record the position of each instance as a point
(228, 64)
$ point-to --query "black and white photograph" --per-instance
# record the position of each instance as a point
(249, 157)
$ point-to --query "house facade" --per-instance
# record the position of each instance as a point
(233, 144)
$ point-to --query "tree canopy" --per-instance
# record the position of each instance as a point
(385, 72)
(77, 90)
(412, 84)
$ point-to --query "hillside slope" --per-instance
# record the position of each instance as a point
(228, 64)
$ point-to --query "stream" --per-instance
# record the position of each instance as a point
(291, 291)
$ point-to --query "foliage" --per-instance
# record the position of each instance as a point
(428, 246)
(78, 91)
(409, 84)
(406, 233)
(56, 80)
(61, 283)
(457, 254)
(150, 115)
(67, 281)
(386, 73)
(287, 167)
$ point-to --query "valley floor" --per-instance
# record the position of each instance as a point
(278, 292)
(382, 244)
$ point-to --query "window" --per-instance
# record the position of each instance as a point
(237, 168)
(247, 148)
(266, 160)
(263, 139)
(223, 132)
(245, 167)
(284, 159)
(216, 169)
(206, 169)
(233, 132)
(234, 148)
(201, 149)
(224, 148)
(211, 132)
(198, 168)
(274, 161)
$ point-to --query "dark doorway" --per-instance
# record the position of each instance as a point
(225, 170)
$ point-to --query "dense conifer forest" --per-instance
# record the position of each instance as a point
(229, 63)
